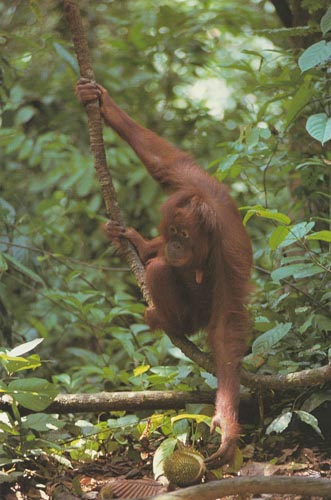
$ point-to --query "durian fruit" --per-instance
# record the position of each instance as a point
(184, 467)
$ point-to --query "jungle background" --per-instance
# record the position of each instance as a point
(243, 86)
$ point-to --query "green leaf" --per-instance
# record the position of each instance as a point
(140, 370)
(264, 342)
(323, 322)
(85, 183)
(326, 21)
(252, 361)
(252, 137)
(33, 393)
(297, 232)
(24, 348)
(15, 144)
(267, 214)
(320, 235)
(14, 364)
(280, 423)
(319, 127)
(278, 236)
(3, 264)
(315, 400)
(42, 422)
(25, 114)
(298, 271)
(123, 422)
(299, 100)
(309, 419)
(197, 417)
(7, 212)
(165, 449)
(26, 149)
(23, 269)
(66, 56)
(265, 133)
(225, 163)
(316, 54)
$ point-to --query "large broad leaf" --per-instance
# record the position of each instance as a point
(23, 269)
(280, 423)
(14, 364)
(321, 235)
(24, 348)
(296, 233)
(315, 400)
(267, 214)
(192, 416)
(278, 236)
(140, 370)
(7, 212)
(309, 419)
(264, 342)
(33, 393)
(122, 422)
(165, 449)
(319, 127)
(42, 422)
(25, 114)
(299, 100)
(227, 162)
(298, 271)
(66, 56)
(317, 53)
(326, 21)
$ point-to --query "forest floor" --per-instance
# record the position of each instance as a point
(130, 474)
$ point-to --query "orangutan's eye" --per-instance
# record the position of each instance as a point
(184, 233)
(173, 230)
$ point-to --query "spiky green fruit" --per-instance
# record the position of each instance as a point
(184, 467)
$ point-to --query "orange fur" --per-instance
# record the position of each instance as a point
(198, 269)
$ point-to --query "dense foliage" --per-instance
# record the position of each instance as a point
(206, 76)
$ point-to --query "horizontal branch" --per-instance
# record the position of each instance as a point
(253, 485)
(157, 400)
(303, 378)
(129, 401)
(119, 401)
